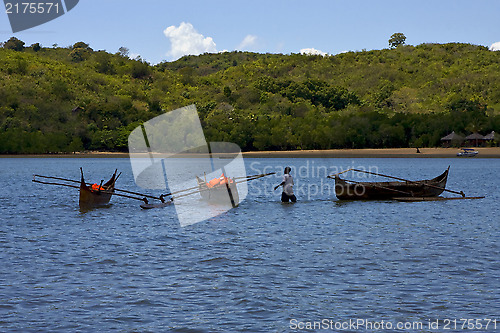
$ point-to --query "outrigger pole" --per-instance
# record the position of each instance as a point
(198, 190)
(249, 178)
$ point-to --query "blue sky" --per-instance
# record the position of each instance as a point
(330, 26)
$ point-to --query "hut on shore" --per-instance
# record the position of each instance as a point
(475, 140)
(452, 140)
(492, 138)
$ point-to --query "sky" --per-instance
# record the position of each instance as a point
(162, 30)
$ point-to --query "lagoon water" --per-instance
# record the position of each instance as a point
(261, 267)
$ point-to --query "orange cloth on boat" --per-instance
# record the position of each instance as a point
(95, 187)
(222, 180)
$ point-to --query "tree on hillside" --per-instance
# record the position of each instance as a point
(103, 63)
(82, 45)
(140, 69)
(397, 39)
(36, 47)
(123, 51)
(14, 44)
(78, 54)
(80, 51)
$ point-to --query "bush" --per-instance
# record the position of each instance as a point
(14, 44)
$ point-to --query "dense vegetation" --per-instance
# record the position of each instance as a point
(74, 98)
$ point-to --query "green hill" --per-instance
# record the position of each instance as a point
(75, 98)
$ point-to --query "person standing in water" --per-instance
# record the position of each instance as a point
(287, 184)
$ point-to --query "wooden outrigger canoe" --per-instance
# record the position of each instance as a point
(94, 195)
(219, 190)
(352, 190)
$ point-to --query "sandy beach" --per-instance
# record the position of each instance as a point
(374, 153)
(493, 152)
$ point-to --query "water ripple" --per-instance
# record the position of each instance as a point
(251, 270)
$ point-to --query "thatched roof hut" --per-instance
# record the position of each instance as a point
(475, 139)
(452, 139)
(492, 136)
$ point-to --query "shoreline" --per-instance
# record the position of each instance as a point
(490, 152)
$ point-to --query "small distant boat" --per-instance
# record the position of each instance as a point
(468, 152)
(95, 195)
(352, 190)
(219, 190)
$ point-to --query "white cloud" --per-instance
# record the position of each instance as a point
(186, 40)
(247, 42)
(495, 46)
(313, 51)
(134, 56)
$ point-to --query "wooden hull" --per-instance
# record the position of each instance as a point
(156, 205)
(346, 190)
(219, 194)
(90, 198)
